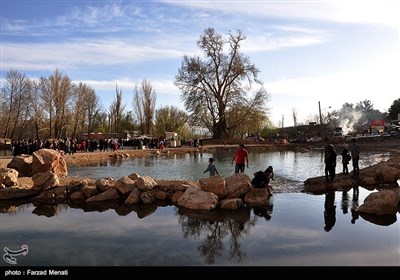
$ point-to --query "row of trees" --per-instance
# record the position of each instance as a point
(55, 107)
(221, 93)
(218, 93)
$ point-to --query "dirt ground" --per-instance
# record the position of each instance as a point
(391, 146)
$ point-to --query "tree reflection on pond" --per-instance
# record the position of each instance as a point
(219, 226)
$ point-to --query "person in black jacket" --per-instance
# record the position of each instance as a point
(261, 179)
(346, 157)
(330, 163)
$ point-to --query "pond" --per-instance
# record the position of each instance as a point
(296, 229)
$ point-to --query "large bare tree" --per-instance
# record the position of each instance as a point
(220, 83)
(144, 105)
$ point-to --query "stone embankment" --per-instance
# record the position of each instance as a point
(50, 184)
(43, 178)
(383, 176)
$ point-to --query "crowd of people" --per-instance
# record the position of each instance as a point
(64, 145)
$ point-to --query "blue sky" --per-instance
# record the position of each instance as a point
(307, 51)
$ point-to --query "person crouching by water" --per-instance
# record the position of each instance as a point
(211, 168)
(330, 163)
(261, 179)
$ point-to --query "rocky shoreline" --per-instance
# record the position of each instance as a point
(46, 183)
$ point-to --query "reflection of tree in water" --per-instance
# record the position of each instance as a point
(217, 226)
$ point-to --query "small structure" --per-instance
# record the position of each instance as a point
(173, 139)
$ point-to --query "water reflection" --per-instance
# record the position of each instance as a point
(214, 228)
(116, 162)
(381, 220)
(354, 205)
(266, 211)
(345, 202)
(48, 210)
(330, 210)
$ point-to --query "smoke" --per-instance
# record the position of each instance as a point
(349, 119)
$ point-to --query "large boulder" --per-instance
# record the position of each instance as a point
(257, 197)
(197, 199)
(380, 203)
(237, 185)
(46, 180)
(45, 160)
(23, 164)
(213, 184)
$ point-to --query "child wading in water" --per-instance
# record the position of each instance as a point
(211, 167)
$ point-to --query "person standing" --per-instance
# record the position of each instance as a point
(345, 158)
(330, 163)
(355, 156)
(240, 158)
(211, 168)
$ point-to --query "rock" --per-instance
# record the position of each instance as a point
(23, 164)
(125, 185)
(380, 203)
(49, 160)
(147, 197)
(237, 185)
(231, 203)
(195, 198)
(8, 177)
(17, 192)
(257, 197)
(145, 183)
(77, 196)
(110, 194)
(43, 181)
(213, 184)
(104, 184)
(89, 190)
(134, 197)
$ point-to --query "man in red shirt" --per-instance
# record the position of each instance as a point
(241, 157)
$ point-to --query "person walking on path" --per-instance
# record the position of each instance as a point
(241, 157)
(355, 156)
(211, 168)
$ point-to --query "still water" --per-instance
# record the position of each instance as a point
(296, 229)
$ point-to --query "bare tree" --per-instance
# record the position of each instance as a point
(86, 107)
(15, 93)
(144, 103)
(57, 91)
(36, 107)
(116, 111)
(219, 84)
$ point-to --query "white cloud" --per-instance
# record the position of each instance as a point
(344, 11)
(71, 55)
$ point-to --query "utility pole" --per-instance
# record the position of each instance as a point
(320, 114)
